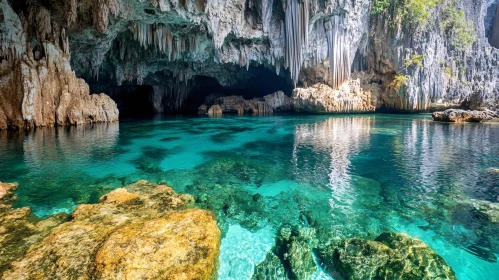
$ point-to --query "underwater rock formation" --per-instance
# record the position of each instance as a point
(38, 87)
(389, 256)
(19, 229)
(454, 115)
(141, 231)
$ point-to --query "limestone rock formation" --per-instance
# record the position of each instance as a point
(321, 98)
(389, 256)
(236, 104)
(38, 87)
(142, 231)
(19, 229)
(438, 55)
(278, 101)
(455, 115)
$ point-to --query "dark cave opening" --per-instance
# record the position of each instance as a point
(132, 100)
(142, 100)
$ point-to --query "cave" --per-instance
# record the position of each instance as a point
(159, 93)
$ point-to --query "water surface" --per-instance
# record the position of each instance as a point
(345, 175)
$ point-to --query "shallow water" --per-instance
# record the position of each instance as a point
(346, 175)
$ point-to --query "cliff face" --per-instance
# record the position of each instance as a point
(443, 59)
(38, 87)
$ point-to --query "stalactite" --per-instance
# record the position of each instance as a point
(39, 17)
(158, 37)
(267, 14)
(70, 8)
(297, 19)
(339, 52)
(12, 36)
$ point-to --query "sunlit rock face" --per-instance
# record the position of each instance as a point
(38, 87)
(142, 231)
(429, 63)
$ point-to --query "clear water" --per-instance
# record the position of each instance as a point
(350, 176)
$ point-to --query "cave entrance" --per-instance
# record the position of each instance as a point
(254, 83)
(161, 95)
(132, 100)
(492, 24)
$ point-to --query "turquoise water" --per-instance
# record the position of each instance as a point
(345, 175)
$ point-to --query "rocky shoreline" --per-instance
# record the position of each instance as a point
(147, 231)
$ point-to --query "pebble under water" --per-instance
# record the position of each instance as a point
(347, 175)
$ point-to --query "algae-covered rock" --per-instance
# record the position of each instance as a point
(142, 231)
(19, 229)
(270, 269)
(295, 244)
(389, 256)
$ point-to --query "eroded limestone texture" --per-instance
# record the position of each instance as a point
(142, 231)
(454, 115)
(389, 256)
(37, 85)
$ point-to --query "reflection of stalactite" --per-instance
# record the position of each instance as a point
(333, 142)
(297, 17)
(339, 53)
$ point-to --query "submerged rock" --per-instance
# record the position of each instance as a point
(270, 269)
(490, 209)
(19, 229)
(295, 244)
(389, 256)
(142, 231)
(456, 115)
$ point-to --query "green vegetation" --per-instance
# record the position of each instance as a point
(414, 13)
(415, 59)
(398, 81)
(460, 29)
(408, 12)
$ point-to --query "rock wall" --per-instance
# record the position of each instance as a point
(445, 60)
(38, 87)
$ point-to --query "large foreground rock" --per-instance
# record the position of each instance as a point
(142, 231)
(389, 256)
(456, 115)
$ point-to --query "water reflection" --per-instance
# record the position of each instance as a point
(53, 169)
(332, 143)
